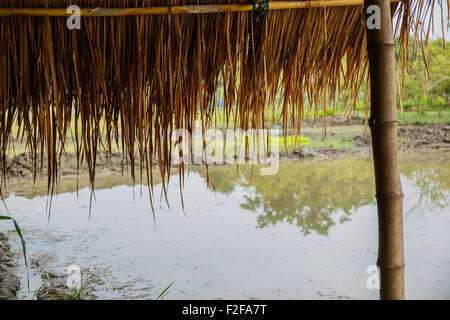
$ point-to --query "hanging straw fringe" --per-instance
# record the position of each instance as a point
(132, 81)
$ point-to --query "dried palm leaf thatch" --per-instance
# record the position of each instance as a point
(132, 81)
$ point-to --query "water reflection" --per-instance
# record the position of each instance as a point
(432, 180)
(309, 195)
(313, 196)
(312, 233)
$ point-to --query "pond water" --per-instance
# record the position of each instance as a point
(309, 232)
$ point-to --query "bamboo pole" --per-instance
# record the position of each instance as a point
(187, 9)
(383, 124)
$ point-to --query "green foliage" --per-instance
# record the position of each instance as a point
(421, 91)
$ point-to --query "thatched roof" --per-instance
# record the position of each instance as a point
(137, 78)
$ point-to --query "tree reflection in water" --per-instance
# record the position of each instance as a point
(432, 180)
(315, 196)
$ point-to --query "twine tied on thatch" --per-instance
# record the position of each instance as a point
(261, 6)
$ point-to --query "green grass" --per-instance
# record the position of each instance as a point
(19, 233)
(291, 142)
(425, 116)
(334, 142)
(165, 292)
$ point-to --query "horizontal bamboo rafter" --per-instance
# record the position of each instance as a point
(186, 9)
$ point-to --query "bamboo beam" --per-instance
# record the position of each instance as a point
(189, 9)
(383, 124)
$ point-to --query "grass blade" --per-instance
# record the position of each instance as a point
(165, 291)
(19, 232)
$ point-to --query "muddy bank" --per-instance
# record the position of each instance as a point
(411, 136)
(9, 283)
(353, 139)
(21, 165)
(427, 136)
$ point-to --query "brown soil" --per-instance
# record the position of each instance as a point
(427, 136)
(9, 283)
(410, 138)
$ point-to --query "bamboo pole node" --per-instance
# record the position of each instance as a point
(389, 196)
(374, 125)
(390, 266)
(378, 45)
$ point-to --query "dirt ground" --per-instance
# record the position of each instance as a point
(9, 283)
(351, 139)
